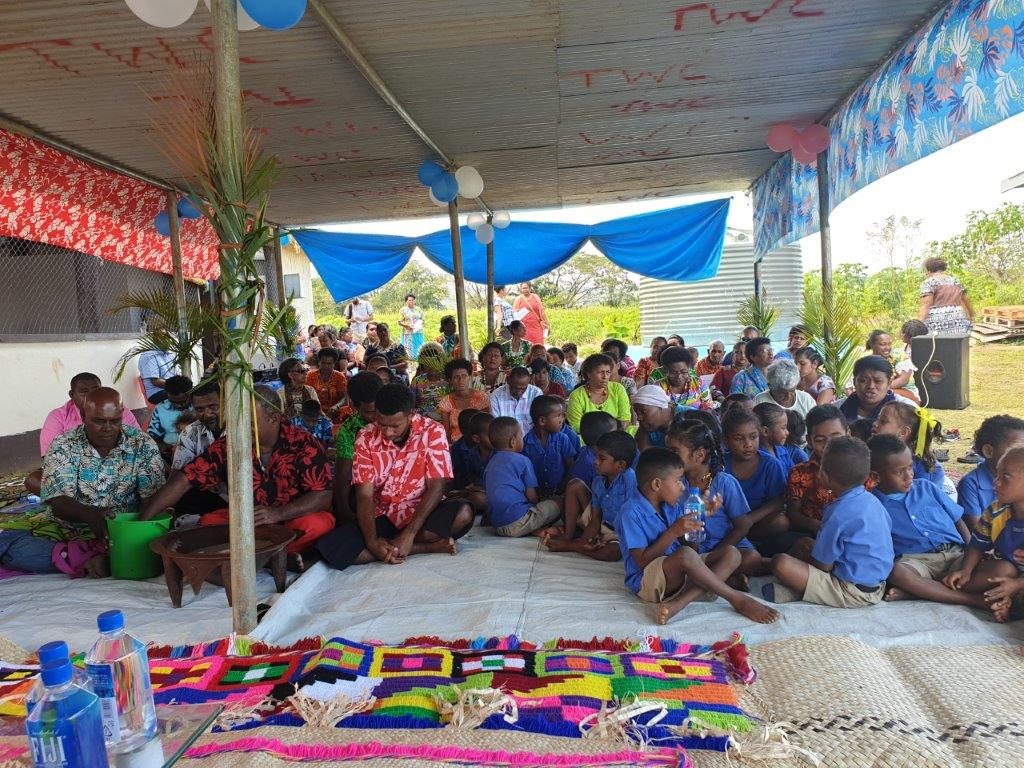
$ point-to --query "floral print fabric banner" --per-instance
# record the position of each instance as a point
(47, 196)
(959, 74)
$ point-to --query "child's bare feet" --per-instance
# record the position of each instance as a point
(754, 610)
(663, 612)
(739, 582)
(895, 593)
(98, 567)
(559, 544)
(1000, 610)
(552, 532)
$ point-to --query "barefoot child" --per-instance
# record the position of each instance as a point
(994, 437)
(510, 483)
(593, 426)
(1001, 528)
(660, 568)
(916, 428)
(760, 475)
(775, 436)
(928, 535)
(551, 451)
(853, 553)
(614, 484)
(701, 454)
(806, 496)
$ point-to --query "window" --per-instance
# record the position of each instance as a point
(293, 286)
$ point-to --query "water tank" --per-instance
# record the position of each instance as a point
(704, 311)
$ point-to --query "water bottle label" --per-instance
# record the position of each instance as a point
(102, 676)
(48, 750)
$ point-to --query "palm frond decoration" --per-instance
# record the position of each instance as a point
(841, 344)
(759, 312)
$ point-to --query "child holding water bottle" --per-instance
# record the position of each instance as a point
(701, 454)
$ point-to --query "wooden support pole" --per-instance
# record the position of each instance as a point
(757, 284)
(460, 279)
(179, 279)
(490, 289)
(237, 406)
(279, 267)
(826, 246)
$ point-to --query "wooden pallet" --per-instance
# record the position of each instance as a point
(986, 333)
(1006, 317)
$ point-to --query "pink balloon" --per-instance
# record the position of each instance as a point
(782, 137)
(802, 155)
(815, 138)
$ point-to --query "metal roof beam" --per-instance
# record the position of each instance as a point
(366, 69)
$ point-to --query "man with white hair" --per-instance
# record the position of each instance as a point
(783, 379)
(710, 365)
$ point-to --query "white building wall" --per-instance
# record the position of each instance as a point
(295, 262)
(39, 377)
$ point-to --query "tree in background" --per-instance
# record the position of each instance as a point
(431, 289)
(584, 280)
(323, 302)
(897, 240)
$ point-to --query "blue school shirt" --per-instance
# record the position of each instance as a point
(767, 482)
(976, 491)
(549, 460)
(734, 505)
(583, 468)
(998, 529)
(506, 480)
(467, 464)
(639, 526)
(789, 456)
(568, 430)
(936, 476)
(322, 430)
(163, 424)
(923, 519)
(856, 536)
(609, 498)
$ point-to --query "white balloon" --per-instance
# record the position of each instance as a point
(501, 219)
(245, 22)
(485, 234)
(471, 184)
(435, 201)
(163, 13)
(475, 220)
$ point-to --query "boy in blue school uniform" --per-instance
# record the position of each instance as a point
(852, 555)
(550, 450)
(510, 483)
(613, 485)
(928, 533)
(660, 567)
(976, 490)
(470, 454)
(592, 426)
(163, 424)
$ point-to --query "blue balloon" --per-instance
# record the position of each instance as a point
(430, 172)
(188, 210)
(275, 14)
(446, 188)
(162, 222)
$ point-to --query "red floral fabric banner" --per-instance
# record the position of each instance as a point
(47, 196)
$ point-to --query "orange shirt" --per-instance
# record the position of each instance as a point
(330, 391)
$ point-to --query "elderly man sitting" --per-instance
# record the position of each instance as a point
(292, 479)
(783, 380)
(89, 473)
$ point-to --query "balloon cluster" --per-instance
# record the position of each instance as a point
(272, 14)
(445, 186)
(187, 209)
(806, 144)
(484, 229)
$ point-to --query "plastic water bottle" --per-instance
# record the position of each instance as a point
(65, 728)
(119, 669)
(50, 652)
(695, 508)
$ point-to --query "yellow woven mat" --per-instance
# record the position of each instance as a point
(12, 652)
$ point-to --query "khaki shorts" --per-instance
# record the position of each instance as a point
(934, 565)
(540, 514)
(653, 587)
(826, 589)
(609, 534)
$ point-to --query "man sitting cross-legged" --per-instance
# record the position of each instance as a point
(292, 477)
(400, 470)
(97, 469)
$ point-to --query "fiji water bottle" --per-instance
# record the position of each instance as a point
(119, 670)
(695, 508)
(65, 728)
(55, 651)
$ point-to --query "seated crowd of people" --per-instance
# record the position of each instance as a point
(835, 493)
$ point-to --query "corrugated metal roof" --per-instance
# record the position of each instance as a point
(554, 101)
(705, 311)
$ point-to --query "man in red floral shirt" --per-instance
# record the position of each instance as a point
(292, 477)
(400, 470)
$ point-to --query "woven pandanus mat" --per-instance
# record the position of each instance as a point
(12, 652)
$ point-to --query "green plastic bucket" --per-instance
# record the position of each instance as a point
(130, 555)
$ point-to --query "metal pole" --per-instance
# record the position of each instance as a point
(237, 398)
(490, 288)
(757, 281)
(460, 280)
(826, 247)
(179, 279)
(279, 267)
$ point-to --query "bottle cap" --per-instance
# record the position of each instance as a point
(55, 651)
(56, 673)
(109, 621)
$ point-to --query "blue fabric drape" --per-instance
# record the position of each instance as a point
(680, 244)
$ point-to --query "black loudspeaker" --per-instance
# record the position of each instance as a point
(943, 371)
